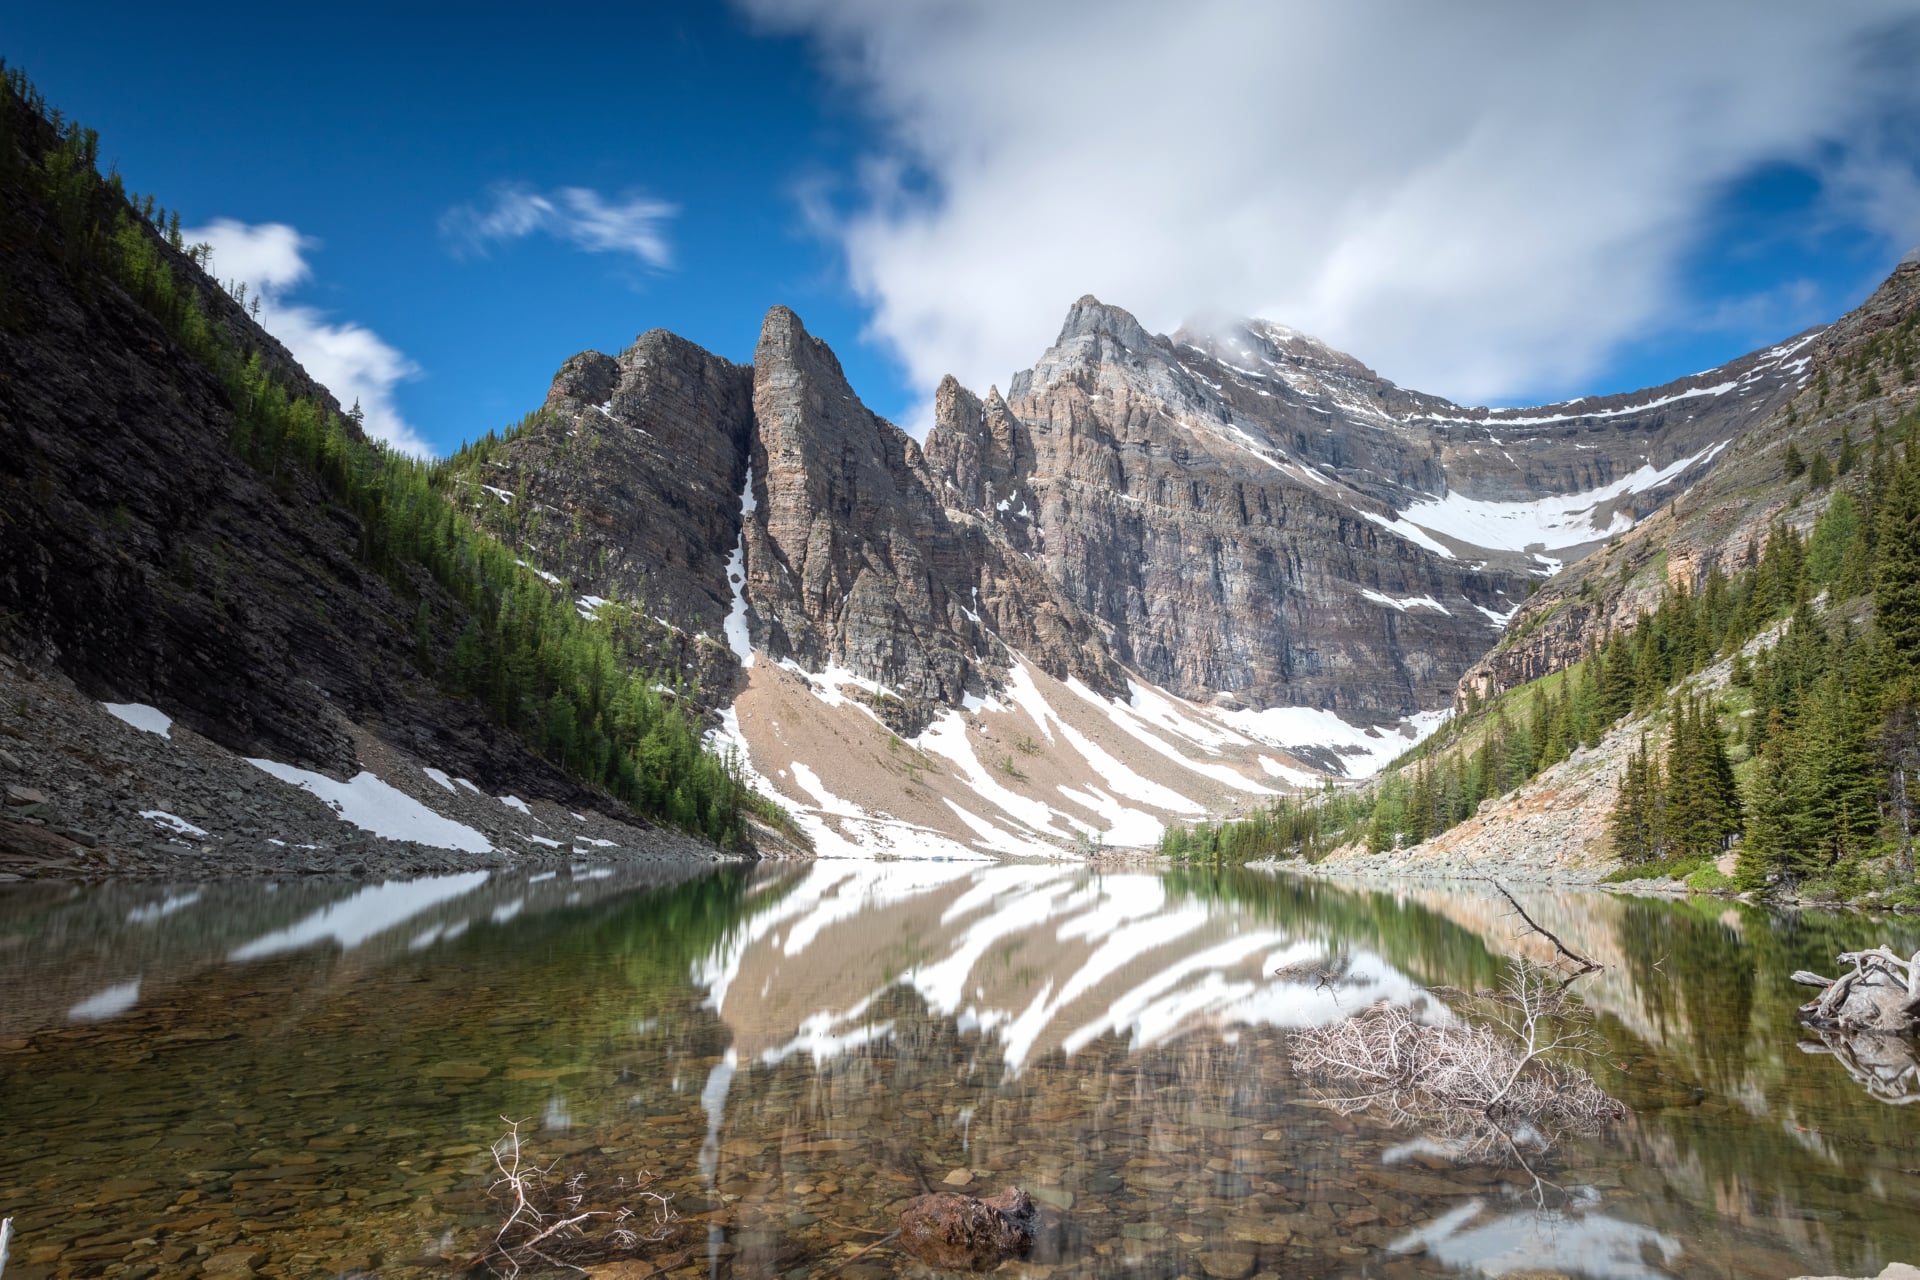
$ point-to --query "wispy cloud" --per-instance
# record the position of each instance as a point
(350, 360)
(1482, 200)
(635, 226)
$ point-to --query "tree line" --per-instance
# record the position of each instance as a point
(1811, 779)
(567, 684)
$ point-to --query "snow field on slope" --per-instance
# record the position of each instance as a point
(1550, 523)
(374, 806)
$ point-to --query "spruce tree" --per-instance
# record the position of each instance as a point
(1896, 582)
(1820, 474)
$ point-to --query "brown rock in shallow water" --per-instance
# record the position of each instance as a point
(966, 1233)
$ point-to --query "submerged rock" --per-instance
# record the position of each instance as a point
(967, 1233)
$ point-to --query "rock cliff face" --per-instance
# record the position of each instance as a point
(1837, 391)
(1160, 575)
(1259, 519)
(1242, 516)
(626, 483)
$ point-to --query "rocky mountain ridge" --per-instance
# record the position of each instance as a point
(1718, 522)
(211, 653)
(1287, 553)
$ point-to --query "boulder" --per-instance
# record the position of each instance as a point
(966, 1233)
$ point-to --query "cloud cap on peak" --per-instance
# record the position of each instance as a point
(1482, 201)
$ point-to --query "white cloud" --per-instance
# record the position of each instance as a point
(634, 226)
(349, 360)
(1480, 200)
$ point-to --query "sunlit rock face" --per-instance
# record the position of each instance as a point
(1239, 523)
(1257, 516)
(1240, 513)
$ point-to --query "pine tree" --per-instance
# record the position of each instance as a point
(1795, 464)
(1629, 824)
(1896, 582)
(1820, 474)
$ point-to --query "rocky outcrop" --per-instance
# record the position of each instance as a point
(1239, 515)
(850, 560)
(1837, 390)
(142, 559)
(641, 476)
(625, 486)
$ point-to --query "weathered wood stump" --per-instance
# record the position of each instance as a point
(966, 1233)
(1880, 994)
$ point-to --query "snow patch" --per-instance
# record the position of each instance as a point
(1363, 752)
(374, 806)
(1550, 523)
(160, 817)
(440, 778)
(739, 638)
(110, 1003)
(1404, 603)
(539, 573)
(142, 717)
(1411, 533)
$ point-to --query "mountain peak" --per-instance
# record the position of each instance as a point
(1089, 317)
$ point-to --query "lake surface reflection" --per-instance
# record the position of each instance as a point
(304, 1079)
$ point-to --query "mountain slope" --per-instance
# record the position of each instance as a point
(1726, 516)
(194, 534)
(1161, 577)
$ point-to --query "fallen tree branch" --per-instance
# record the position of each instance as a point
(1458, 1078)
(1586, 965)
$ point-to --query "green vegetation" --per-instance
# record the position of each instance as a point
(1309, 828)
(1822, 804)
(1686, 811)
(567, 684)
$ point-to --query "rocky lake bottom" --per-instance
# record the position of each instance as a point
(310, 1078)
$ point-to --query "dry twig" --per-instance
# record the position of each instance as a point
(547, 1221)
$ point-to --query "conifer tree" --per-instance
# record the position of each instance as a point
(1820, 474)
(1896, 582)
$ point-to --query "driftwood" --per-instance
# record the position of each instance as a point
(1486, 1092)
(1887, 1067)
(1869, 1020)
(1881, 994)
(554, 1222)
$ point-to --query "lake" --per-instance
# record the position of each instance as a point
(308, 1078)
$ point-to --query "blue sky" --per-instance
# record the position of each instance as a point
(931, 184)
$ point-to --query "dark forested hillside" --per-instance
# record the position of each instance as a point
(189, 521)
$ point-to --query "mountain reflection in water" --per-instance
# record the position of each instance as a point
(313, 1072)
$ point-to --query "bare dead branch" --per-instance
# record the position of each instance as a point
(545, 1221)
(1483, 1088)
(1586, 965)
